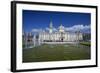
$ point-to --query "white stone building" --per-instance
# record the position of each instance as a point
(52, 37)
(60, 36)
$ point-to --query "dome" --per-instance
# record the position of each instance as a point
(61, 28)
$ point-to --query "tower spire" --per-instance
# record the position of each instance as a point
(61, 21)
(61, 27)
(51, 27)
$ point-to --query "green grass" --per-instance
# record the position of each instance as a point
(56, 53)
(86, 43)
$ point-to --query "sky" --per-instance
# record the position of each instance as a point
(40, 20)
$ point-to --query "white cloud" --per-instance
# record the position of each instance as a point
(38, 30)
(83, 28)
(35, 30)
(78, 27)
(54, 29)
(47, 29)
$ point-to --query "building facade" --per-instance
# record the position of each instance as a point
(60, 36)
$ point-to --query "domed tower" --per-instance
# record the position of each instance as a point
(61, 28)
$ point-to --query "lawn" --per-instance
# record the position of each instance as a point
(86, 43)
(56, 53)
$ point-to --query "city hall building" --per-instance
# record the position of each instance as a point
(52, 37)
(60, 36)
